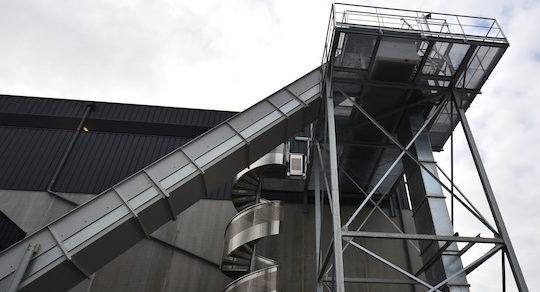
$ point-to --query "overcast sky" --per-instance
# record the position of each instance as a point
(228, 55)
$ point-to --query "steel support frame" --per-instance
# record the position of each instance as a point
(368, 196)
(470, 207)
(336, 248)
(490, 195)
(501, 239)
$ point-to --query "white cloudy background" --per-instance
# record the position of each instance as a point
(229, 54)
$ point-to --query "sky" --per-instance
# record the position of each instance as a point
(228, 55)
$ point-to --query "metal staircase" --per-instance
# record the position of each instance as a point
(257, 218)
(244, 191)
(245, 229)
(247, 183)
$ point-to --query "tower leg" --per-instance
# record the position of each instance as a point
(334, 188)
(509, 250)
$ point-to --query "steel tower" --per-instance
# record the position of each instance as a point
(395, 85)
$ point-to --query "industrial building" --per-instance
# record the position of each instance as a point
(329, 184)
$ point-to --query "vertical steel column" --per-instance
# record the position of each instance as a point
(316, 178)
(334, 185)
(429, 207)
(497, 216)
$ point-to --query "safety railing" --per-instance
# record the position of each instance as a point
(424, 23)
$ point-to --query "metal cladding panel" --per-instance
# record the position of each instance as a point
(29, 156)
(99, 160)
(122, 139)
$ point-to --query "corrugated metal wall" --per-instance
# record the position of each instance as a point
(99, 160)
(122, 138)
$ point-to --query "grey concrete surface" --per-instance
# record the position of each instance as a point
(294, 248)
(33, 210)
(152, 266)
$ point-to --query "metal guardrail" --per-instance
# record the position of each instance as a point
(255, 222)
(239, 256)
(257, 218)
(423, 22)
(263, 280)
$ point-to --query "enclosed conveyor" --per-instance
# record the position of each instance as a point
(79, 243)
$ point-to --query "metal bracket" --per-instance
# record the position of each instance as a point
(283, 114)
(201, 171)
(277, 109)
(303, 103)
(467, 247)
(163, 193)
(132, 211)
(433, 258)
(248, 146)
(75, 263)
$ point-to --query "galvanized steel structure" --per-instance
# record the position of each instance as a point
(395, 85)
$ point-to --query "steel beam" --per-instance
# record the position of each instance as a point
(165, 195)
(21, 269)
(405, 150)
(490, 195)
(471, 267)
(391, 265)
(431, 237)
(376, 281)
(316, 177)
(248, 152)
(334, 185)
(398, 85)
(376, 205)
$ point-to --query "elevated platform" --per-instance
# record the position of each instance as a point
(393, 60)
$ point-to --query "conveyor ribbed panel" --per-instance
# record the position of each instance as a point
(93, 234)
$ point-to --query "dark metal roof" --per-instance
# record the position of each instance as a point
(122, 138)
(111, 111)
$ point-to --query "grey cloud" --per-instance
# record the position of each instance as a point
(228, 55)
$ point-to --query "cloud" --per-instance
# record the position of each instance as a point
(230, 54)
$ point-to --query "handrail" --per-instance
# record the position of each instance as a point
(391, 18)
(252, 275)
(251, 208)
